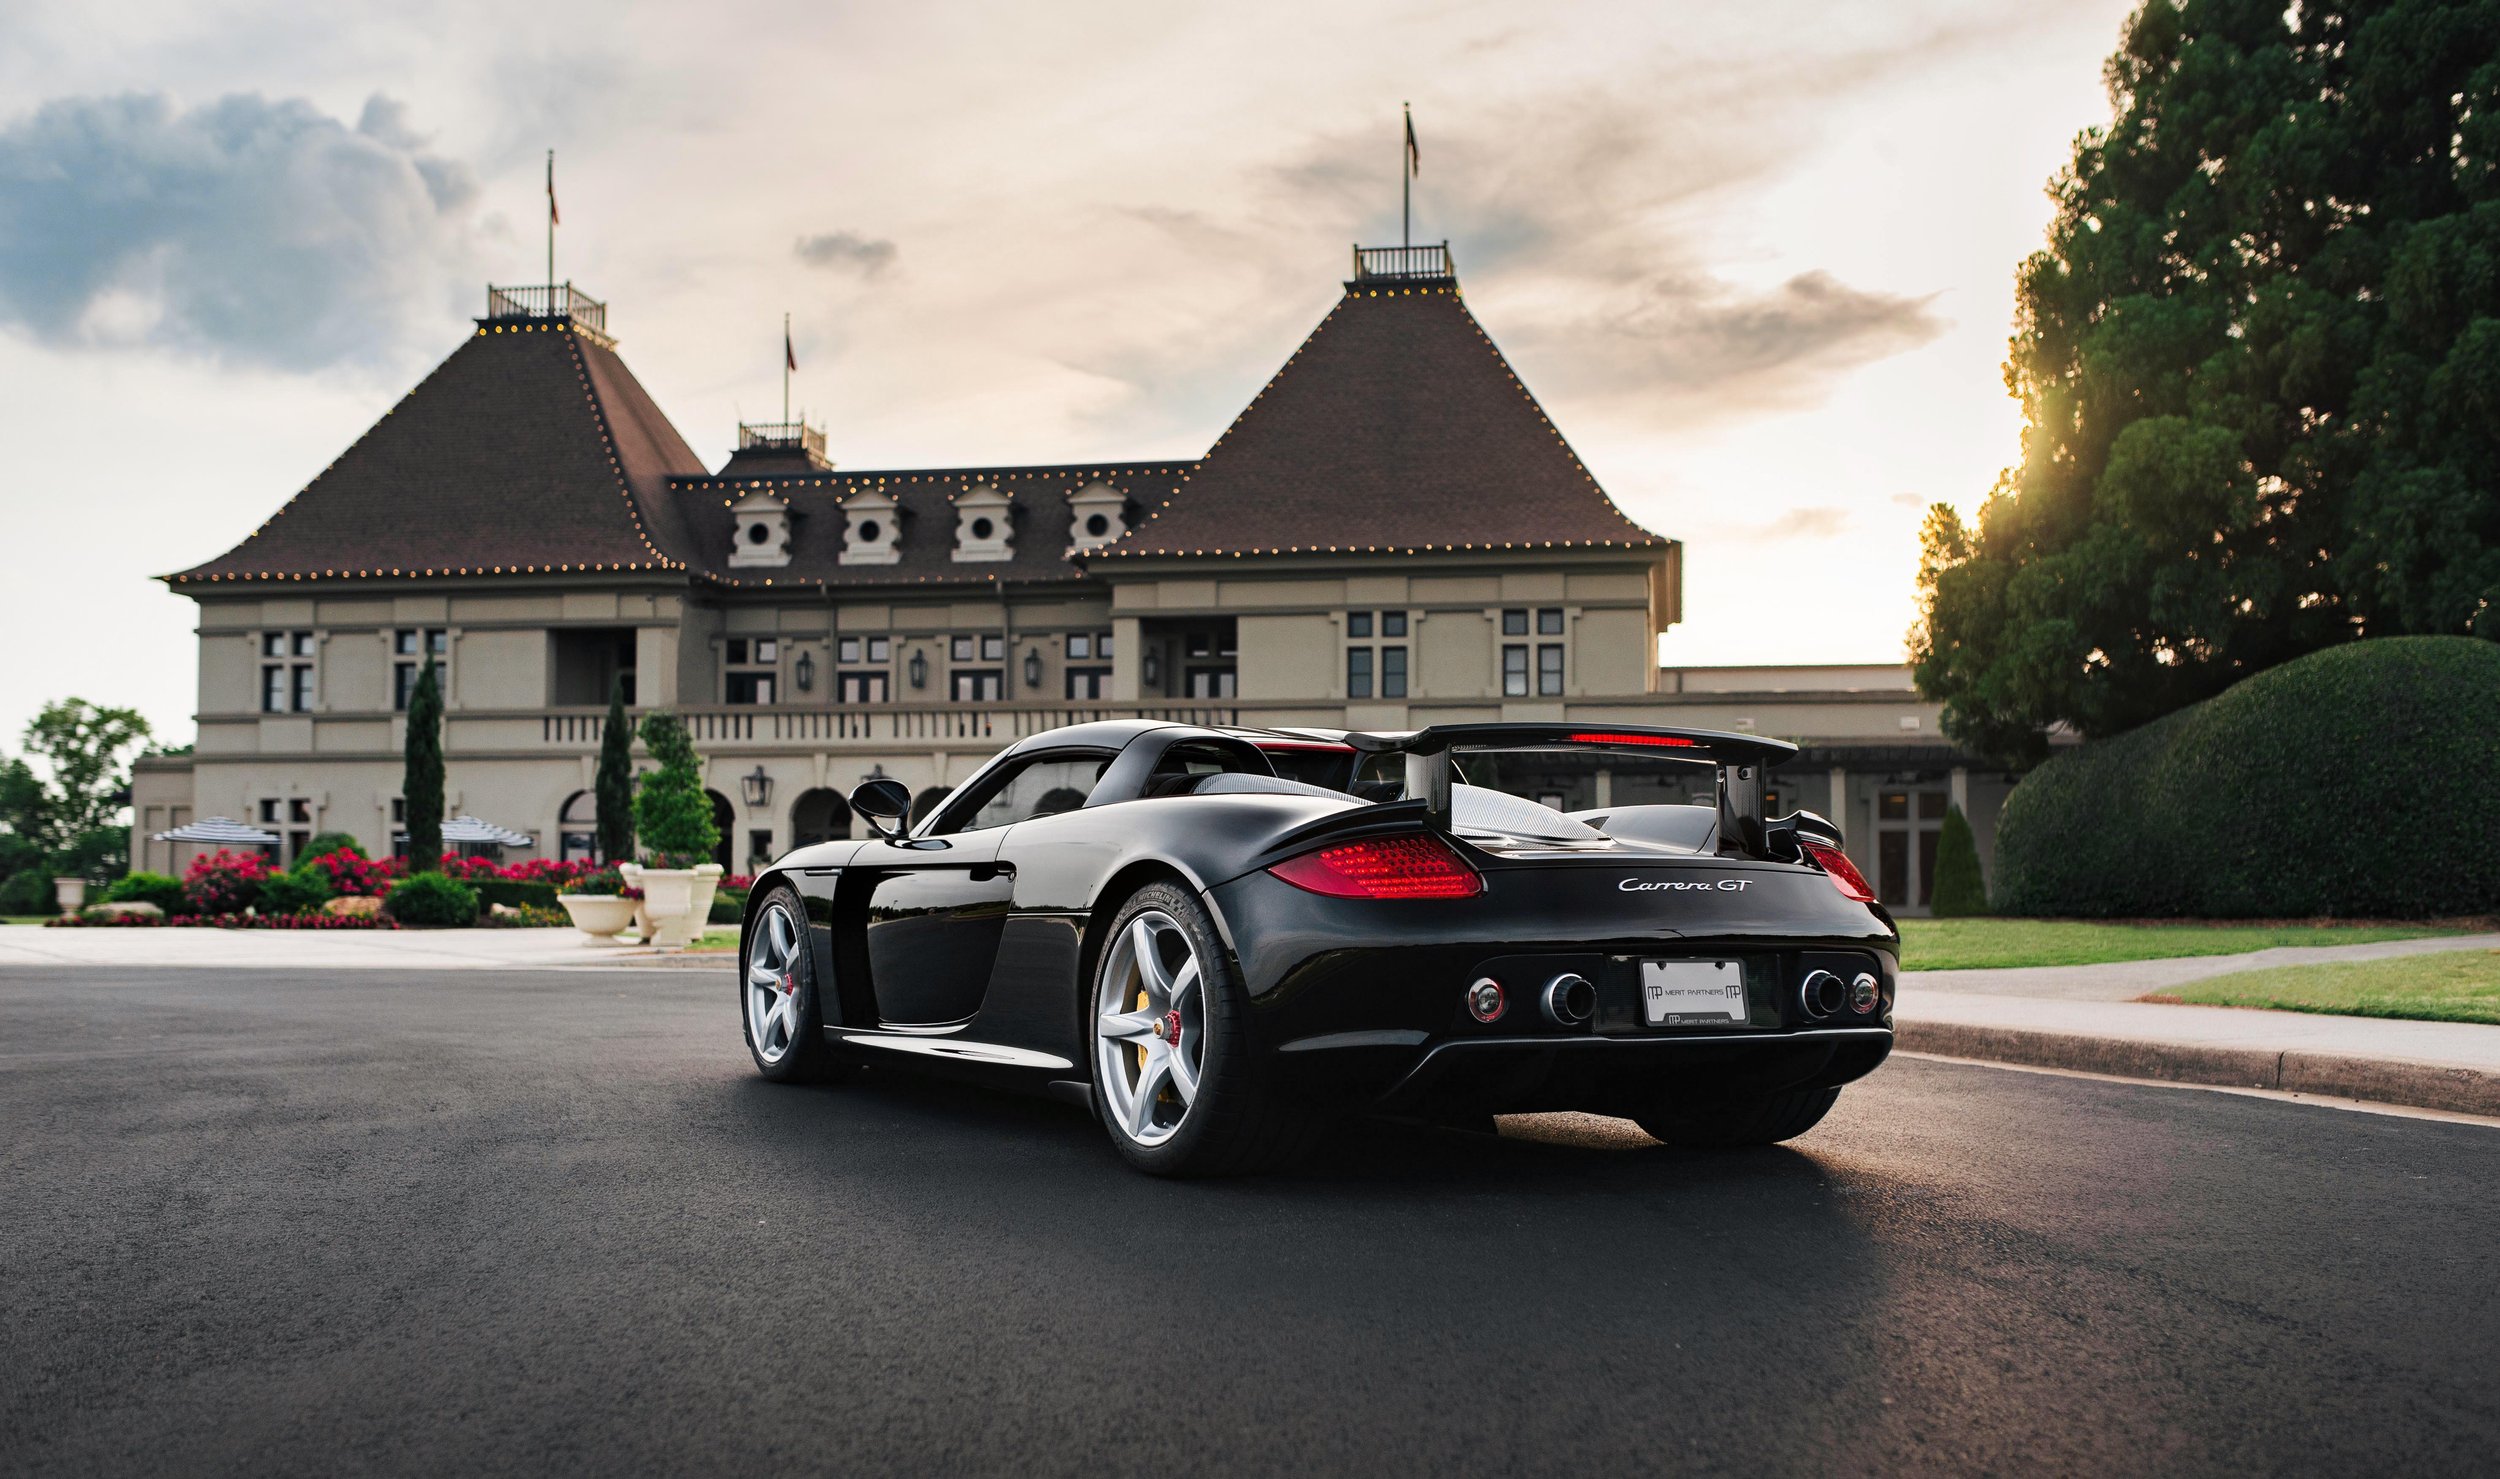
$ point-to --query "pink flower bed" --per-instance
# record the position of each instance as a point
(230, 922)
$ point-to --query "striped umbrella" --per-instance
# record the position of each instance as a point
(470, 829)
(220, 832)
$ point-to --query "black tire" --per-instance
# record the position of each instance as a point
(1740, 1122)
(797, 1051)
(1240, 1121)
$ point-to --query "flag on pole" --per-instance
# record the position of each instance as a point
(1414, 158)
(553, 219)
(789, 356)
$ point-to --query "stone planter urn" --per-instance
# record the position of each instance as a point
(632, 874)
(601, 916)
(72, 894)
(677, 901)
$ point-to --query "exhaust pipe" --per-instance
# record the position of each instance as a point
(1569, 1000)
(1821, 994)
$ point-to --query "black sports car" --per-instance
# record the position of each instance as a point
(1219, 938)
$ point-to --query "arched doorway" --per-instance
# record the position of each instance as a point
(725, 820)
(577, 828)
(820, 815)
(927, 802)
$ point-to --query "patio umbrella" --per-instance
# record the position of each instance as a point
(470, 829)
(220, 832)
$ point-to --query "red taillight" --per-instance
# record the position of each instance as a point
(1661, 741)
(1383, 868)
(1843, 873)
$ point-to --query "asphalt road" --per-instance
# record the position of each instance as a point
(455, 1223)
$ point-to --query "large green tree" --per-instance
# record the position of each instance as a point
(672, 812)
(2259, 366)
(421, 784)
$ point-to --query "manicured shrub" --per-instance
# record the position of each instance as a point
(2357, 781)
(430, 898)
(225, 882)
(729, 905)
(329, 842)
(514, 893)
(1960, 891)
(672, 814)
(28, 891)
(298, 891)
(162, 890)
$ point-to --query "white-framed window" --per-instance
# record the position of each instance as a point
(978, 685)
(1375, 670)
(1089, 646)
(1545, 677)
(287, 660)
(864, 688)
(855, 684)
(1089, 683)
(410, 646)
(751, 670)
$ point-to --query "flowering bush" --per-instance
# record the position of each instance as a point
(225, 882)
(353, 875)
(229, 921)
(557, 871)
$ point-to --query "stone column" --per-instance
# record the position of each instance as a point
(1839, 814)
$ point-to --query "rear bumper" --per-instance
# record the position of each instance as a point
(1402, 1072)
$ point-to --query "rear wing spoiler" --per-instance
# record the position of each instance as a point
(1741, 759)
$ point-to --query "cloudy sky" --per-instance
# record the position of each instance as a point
(1756, 258)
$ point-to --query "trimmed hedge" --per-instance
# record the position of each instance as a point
(513, 893)
(729, 906)
(2358, 781)
(1961, 891)
(302, 892)
(162, 890)
(430, 898)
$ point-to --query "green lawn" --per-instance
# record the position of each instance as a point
(2453, 986)
(1967, 944)
(24, 918)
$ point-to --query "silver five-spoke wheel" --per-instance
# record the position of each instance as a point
(1150, 1041)
(773, 985)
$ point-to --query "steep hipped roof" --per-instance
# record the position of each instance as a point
(1397, 426)
(531, 449)
(925, 498)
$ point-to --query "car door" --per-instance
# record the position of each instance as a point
(938, 903)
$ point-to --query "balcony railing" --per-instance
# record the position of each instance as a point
(774, 434)
(1403, 263)
(548, 300)
(899, 723)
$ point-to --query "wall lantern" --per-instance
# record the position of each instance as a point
(1154, 668)
(919, 668)
(759, 789)
(804, 672)
(1032, 668)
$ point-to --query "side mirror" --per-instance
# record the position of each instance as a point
(885, 803)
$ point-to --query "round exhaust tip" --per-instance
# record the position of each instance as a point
(1822, 994)
(1485, 1001)
(1863, 993)
(1569, 1000)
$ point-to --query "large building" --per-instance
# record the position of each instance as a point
(1391, 534)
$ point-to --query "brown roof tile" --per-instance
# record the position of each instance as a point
(1396, 426)
(531, 448)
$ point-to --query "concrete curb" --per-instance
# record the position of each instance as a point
(2457, 1089)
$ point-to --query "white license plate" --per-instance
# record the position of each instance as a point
(1692, 993)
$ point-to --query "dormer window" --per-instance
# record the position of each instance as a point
(762, 530)
(1097, 516)
(872, 532)
(983, 525)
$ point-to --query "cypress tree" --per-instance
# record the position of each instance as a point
(615, 786)
(1960, 891)
(422, 784)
